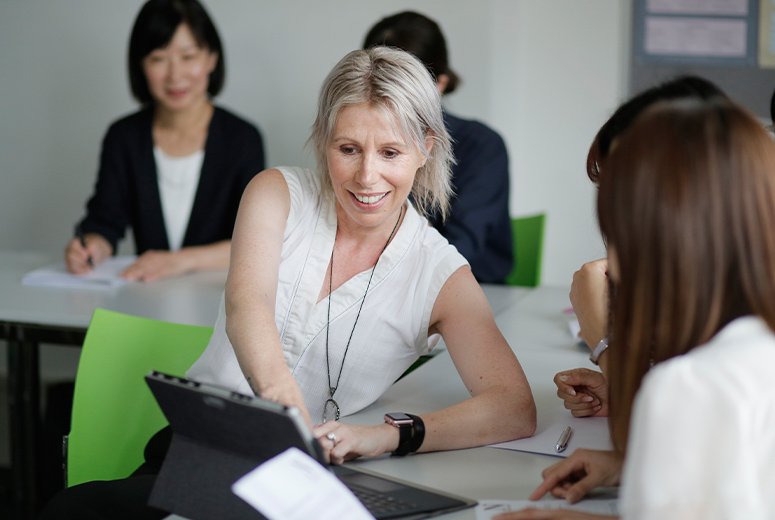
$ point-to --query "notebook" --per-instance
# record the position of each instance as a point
(105, 276)
(219, 436)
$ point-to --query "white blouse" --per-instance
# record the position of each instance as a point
(702, 437)
(392, 330)
(178, 178)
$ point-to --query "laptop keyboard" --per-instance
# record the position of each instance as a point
(380, 505)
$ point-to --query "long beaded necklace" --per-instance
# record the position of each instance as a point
(331, 407)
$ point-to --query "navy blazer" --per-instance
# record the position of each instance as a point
(479, 224)
(127, 192)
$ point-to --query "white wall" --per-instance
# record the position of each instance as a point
(545, 74)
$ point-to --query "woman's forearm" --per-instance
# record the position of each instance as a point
(497, 415)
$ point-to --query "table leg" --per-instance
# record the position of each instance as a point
(24, 419)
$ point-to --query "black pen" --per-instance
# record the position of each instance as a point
(82, 239)
(562, 442)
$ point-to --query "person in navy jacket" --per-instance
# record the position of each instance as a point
(479, 225)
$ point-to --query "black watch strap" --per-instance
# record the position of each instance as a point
(410, 436)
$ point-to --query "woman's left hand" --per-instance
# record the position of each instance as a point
(551, 514)
(584, 392)
(154, 265)
(342, 442)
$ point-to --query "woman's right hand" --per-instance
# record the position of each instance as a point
(80, 258)
(284, 390)
(584, 392)
(574, 477)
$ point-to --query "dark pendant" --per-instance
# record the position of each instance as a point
(330, 410)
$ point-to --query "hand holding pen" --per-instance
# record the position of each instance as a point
(84, 251)
(82, 240)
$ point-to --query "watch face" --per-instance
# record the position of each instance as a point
(398, 418)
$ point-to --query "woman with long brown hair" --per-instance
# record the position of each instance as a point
(686, 205)
(585, 391)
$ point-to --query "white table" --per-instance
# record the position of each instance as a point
(531, 320)
(537, 330)
(191, 299)
(33, 315)
(503, 297)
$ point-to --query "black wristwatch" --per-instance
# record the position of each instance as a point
(411, 432)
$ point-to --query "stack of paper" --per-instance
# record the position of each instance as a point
(105, 275)
(314, 492)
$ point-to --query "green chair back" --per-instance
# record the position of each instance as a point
(114, 413)
(528, 236)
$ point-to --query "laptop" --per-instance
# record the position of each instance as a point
(219, 435)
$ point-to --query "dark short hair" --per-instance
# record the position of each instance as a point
(681, 87)
(417, 34)
(154, 27)
(772, 108)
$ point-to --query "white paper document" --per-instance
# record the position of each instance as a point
(293, 486)
(486, 509)
(104, 276)
(588, 432)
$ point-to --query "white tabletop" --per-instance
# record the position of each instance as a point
(191, 299)
(531, 320)
(502, 297)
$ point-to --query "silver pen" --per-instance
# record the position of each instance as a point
(562, 442)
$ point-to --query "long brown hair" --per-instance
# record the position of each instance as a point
(686, 204)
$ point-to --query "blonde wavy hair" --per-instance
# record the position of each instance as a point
(398, 83)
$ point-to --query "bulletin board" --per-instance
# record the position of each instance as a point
(729, 42)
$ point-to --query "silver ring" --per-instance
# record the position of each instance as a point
(331, 436)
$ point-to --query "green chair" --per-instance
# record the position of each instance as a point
(528, 236)
(114, 413)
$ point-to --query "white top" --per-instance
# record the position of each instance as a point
(392, 330)
(702, 437)
(178, 179)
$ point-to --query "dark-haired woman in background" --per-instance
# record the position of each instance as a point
(686, 199)
(478, 224)
(585, 391)
(175, 170)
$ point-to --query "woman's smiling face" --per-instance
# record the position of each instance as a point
(371, 165)
(178, 75)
